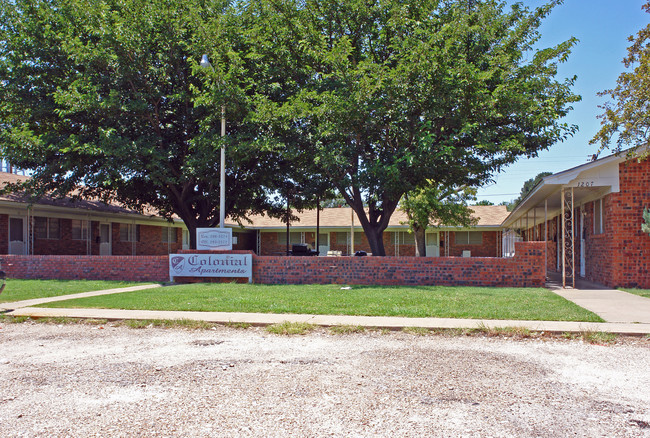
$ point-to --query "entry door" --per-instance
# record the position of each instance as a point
(105, 239)
(323, 243)
(17, 235)
(433, 245)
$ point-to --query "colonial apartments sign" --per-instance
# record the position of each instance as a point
(211, 265)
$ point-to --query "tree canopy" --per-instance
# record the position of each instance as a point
(374, 99)
(398, 94)
(434, 205)
(107, 98)
(626, 119)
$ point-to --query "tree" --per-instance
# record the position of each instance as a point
(625, 121)
(399, 94)
(435, 206)
(528, 187)
(484, 202)
(106, 99)
(645, 227)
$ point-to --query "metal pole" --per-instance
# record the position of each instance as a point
(222, 181)
(352, 231)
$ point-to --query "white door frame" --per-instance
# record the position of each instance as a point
(14, 243)
(106, 248)
(323, 249)
(432, 250)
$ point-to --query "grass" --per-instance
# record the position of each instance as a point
(593, 337)
(425, 301)
(290, 328)
(640, 292)
(18, 290)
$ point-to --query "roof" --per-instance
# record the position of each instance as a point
(589, 180)
(66, 202)
(488, 216)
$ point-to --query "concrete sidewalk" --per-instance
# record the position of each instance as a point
(610, 304)
(390, 322)
(23, 308)
(36, 301)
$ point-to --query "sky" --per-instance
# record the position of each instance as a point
(602, 28)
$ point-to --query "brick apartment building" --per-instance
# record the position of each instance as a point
(591, 217)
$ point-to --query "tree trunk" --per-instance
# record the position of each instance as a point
(375, 238)
(420, 241)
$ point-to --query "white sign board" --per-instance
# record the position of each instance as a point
(214, 239)
(211, 265)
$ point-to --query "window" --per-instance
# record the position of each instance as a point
(598, 216)
(294, 237)
(169, 235)
(469, 237)
(357, 238)
(130, 232)
(79, 229)
(47, 228)
(404, 238)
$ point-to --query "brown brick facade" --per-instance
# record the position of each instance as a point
(620, 255)
(523, 270)
(338, 242)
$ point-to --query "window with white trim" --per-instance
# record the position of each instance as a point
(598, 216)
(47, 228)
(469, 237)
(403, 238)
(129, 233)
(294, 237)
(169, 235)
(79, 229)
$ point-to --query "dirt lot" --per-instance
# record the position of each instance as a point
(83, 380)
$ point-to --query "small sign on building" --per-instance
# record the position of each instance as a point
(214, 239)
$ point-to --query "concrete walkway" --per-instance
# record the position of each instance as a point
(23, 308)
(612, 305)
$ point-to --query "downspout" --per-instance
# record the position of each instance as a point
(352, 231)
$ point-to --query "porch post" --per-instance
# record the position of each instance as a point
(546, 238)
(563, 240)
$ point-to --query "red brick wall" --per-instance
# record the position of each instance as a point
(338, 242)
(625, 250)
(150, 242)
(488, 247)
(524, 270)
(124, 268)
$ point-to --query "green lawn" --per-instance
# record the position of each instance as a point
(18, 290)
(427, 301)
(641, 292)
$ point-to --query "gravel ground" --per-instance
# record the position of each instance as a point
(84, 380)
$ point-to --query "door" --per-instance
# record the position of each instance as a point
(323, 243)
(105, 239)
(17, 236)
(433, 245)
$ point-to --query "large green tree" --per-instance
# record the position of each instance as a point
(397, 94)
(626, 119)
(107, 99)
(435, 206)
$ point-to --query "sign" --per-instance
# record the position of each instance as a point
(211, 265)
(214, 239)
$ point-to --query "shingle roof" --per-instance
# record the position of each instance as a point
(488, 215)
(84, 204)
